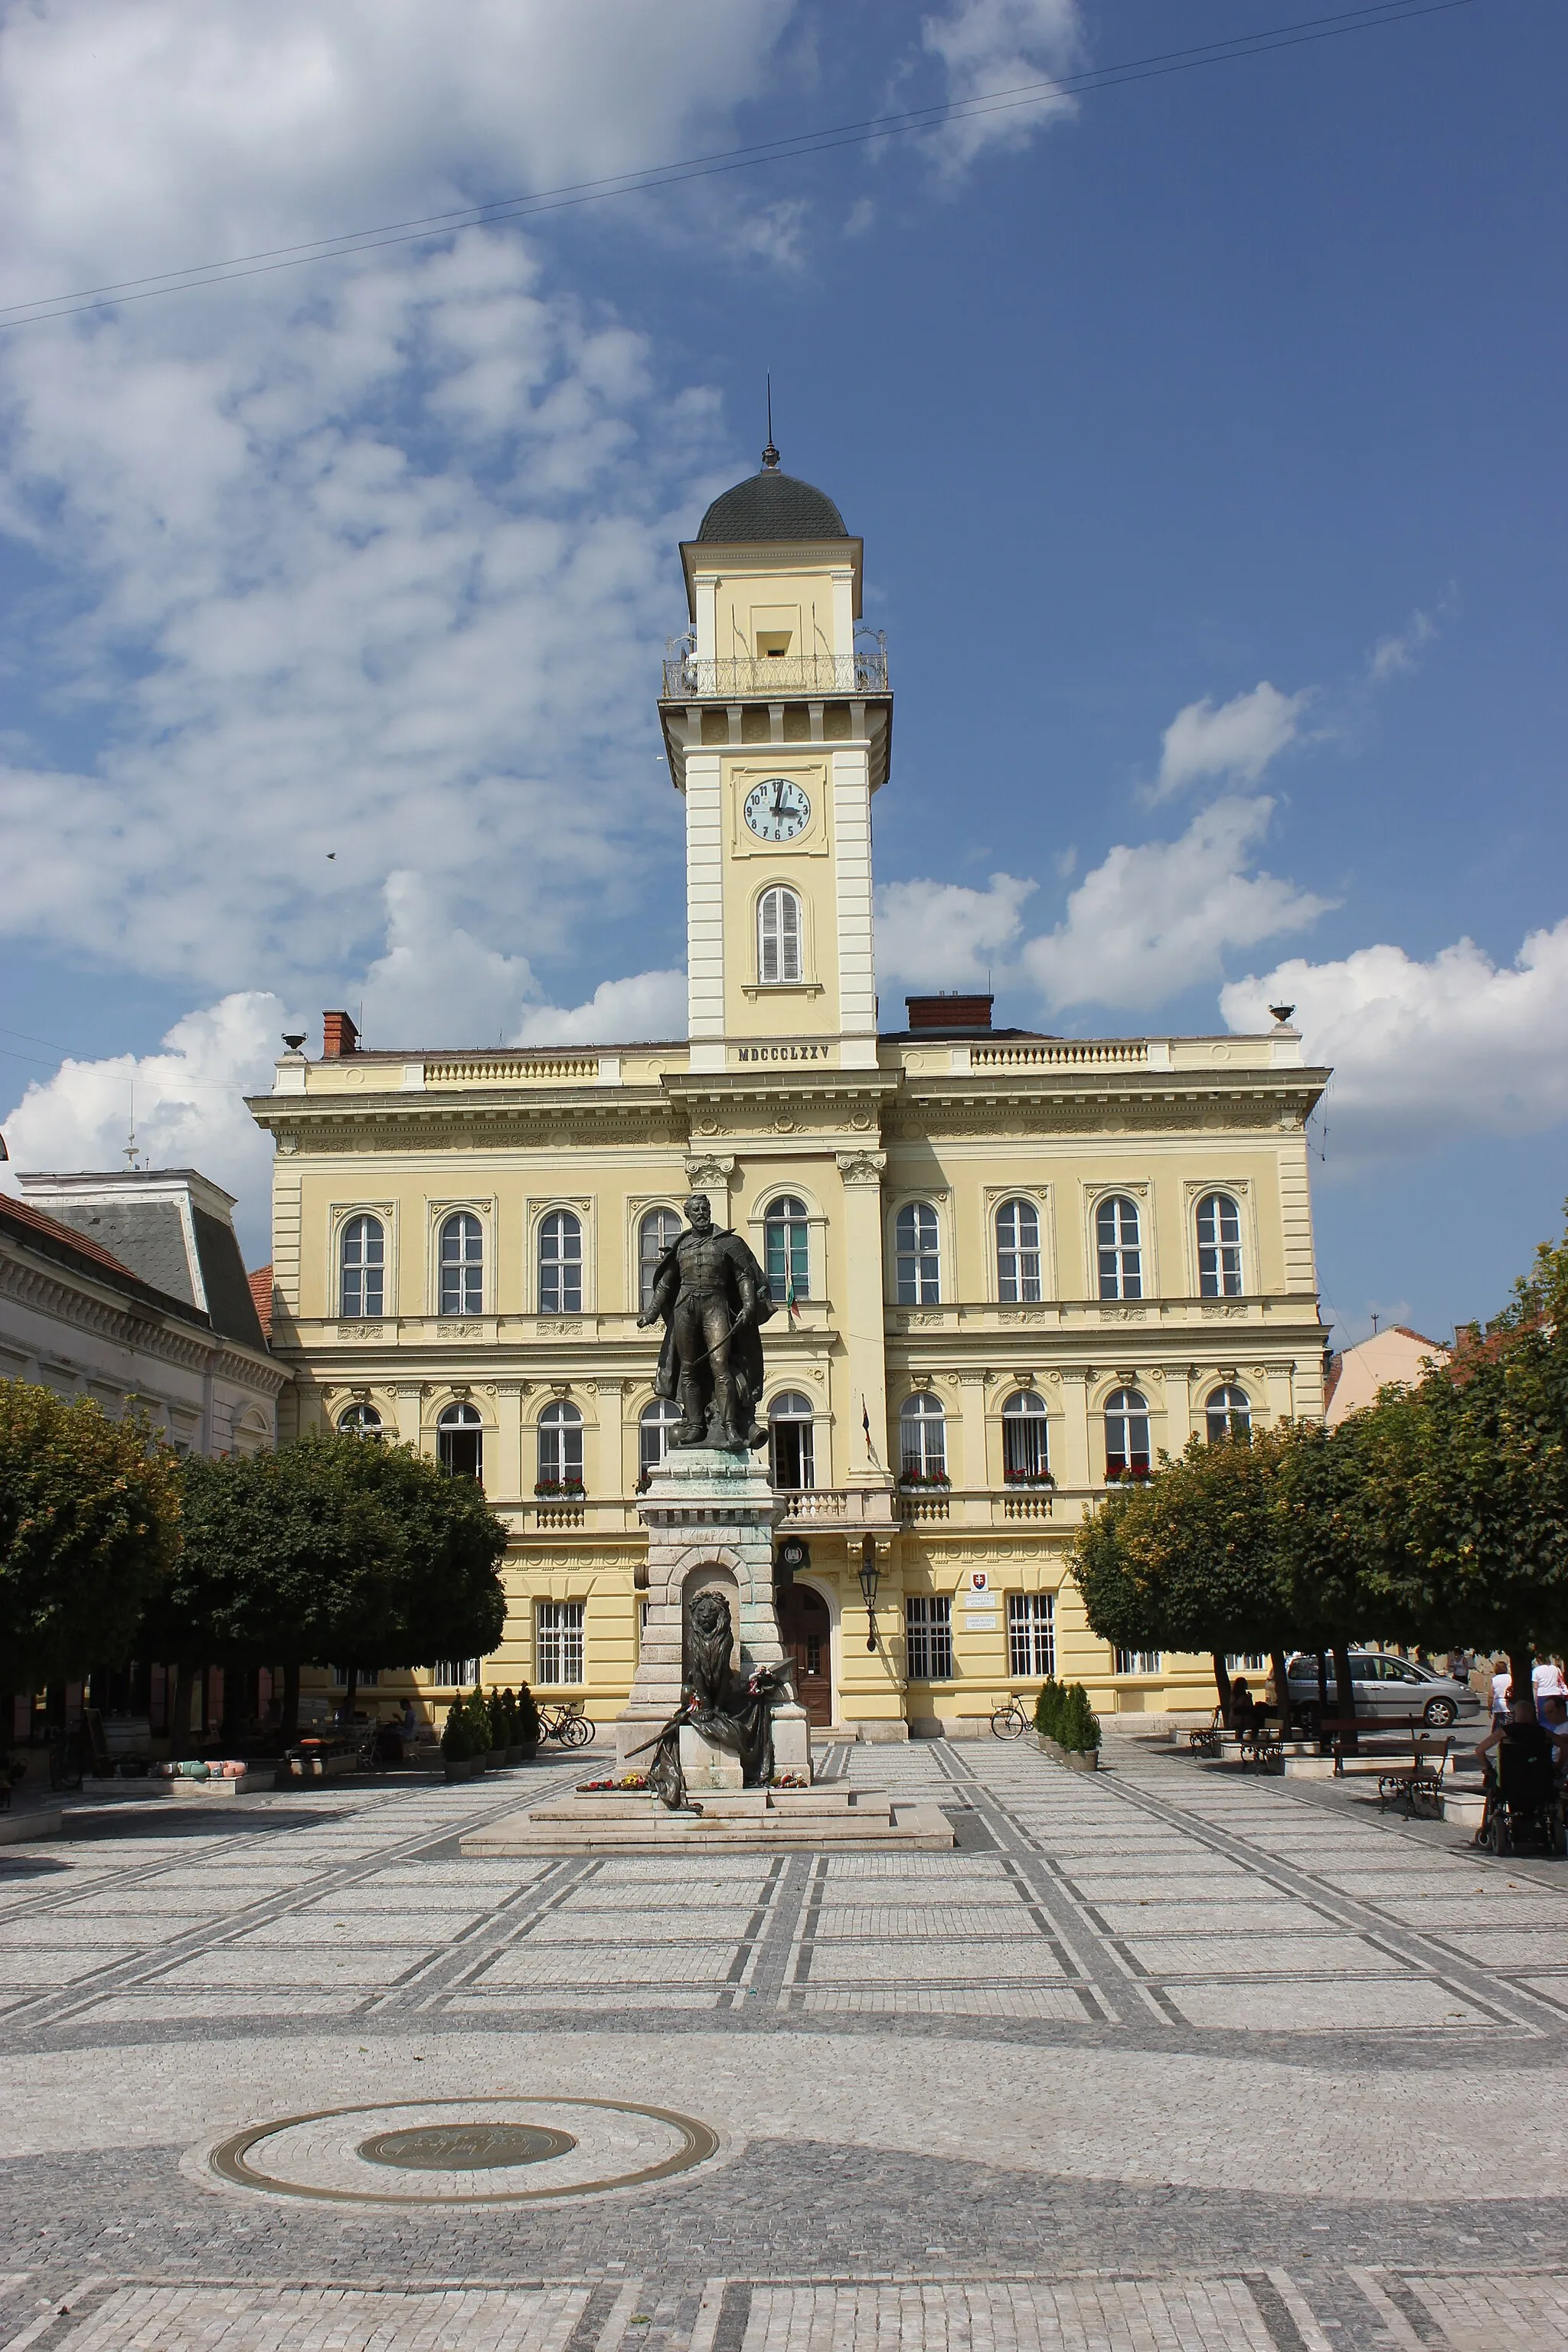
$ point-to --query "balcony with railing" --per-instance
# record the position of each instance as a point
(774, 677)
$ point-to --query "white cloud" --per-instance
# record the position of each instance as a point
(1236, 739)
(649, 1009)
(1425, 1050)
(1152, 920)
(186, 1102)
(1395, 656)
(437, 982)
(943, 935)
(987, 46)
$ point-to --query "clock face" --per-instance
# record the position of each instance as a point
(777, 808)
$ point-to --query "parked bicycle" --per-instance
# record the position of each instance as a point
(1010, 1722)
(566, 1721)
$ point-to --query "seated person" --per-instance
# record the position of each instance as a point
(1245, 1710)
(1526, 1754)
(1552, 1713)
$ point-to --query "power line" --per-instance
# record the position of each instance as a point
(430, 227)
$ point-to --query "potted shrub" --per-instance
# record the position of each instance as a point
(1080, 1732)
(527, 1724)
(479, 1731)
(503, 1706)
(456, 1744)
(1048, 1717)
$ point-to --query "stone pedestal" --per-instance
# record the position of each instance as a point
(709, 1518)
(706, 1767)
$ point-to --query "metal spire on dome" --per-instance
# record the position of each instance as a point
(770, 455)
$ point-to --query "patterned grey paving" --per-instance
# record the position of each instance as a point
(1064, 2086)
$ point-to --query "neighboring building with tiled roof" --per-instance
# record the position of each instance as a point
(1394, 1356)
(261, 1294)
(137, 1295)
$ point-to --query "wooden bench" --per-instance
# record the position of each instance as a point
(1339, 1728)
(1420, 1784)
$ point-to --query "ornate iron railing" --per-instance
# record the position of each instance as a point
(738, 679)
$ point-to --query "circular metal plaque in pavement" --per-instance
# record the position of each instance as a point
(428, 2151)
(464, 2148)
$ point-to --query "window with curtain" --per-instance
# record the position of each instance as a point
(1031, 1634)
(1219, 1247)
(658, 1231)
(459, 1442)
(786, 1252)
(1119, 1248)
(561, 1445)
(1018, 1253)
(462, 1265)
(1228, 1413)
(923, 1437)
(1138, 1661)
(918, 1268)
(792, 1457)
(1126, 1431)
(779, 932)
(360, 1421)
(362, 1268)
(561, 1264)
(1026, 1445)
(927, 1631)
(654, 1426)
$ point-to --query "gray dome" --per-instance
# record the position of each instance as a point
(771, 505)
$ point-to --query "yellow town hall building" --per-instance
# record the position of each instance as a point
(1009, 1266)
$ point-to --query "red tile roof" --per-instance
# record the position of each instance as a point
(261, 1291)
(25, 1213)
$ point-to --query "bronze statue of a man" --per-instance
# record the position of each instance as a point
(712, 1295)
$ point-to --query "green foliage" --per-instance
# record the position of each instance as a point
(457, 1735)
(90, 1524)
(1049, 1709)
(1062, 1713)
(527, 1717)
(482, 1733)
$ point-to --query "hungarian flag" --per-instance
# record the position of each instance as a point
(789, 1301)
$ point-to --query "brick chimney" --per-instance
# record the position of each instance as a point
(954, 1012)
(339, 1036)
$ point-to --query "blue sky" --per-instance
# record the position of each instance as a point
(1203, 433)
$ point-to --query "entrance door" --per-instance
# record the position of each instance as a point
(804, 1626)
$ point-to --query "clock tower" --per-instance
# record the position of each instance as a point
(777, 724)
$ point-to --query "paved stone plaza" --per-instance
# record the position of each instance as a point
(1157, 2058)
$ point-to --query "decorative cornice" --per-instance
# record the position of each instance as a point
(141, 1328)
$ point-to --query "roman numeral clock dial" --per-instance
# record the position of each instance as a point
(777, 808)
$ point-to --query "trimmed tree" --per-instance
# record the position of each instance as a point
(90, 1524)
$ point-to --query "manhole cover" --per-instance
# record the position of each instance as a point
(465, 2147)
(484, 2151)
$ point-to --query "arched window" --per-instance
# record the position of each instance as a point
(1228, 1413)
(361, 1254)
(1026, 1446)
(785, 1249)
(919, 1268)
(561, 1264)
(462, 1265)
(1126, 1431)
(923, 1437)
(1018, 1253)
(654, 1426)
(561, 1445)
(360, 1421)
(778, 937)
(1120, 1250)
(1219, 1247)
(792, 1457)
(658, 1233)
(459, 1441)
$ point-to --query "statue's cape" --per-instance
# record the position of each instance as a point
(746, 1352)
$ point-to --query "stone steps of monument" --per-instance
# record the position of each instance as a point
(881, 1827)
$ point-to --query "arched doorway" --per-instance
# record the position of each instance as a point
(805, 1629)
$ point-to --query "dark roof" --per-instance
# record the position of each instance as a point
(148, 1238)
(771, 505)
(227, 1286)
(22, 1212)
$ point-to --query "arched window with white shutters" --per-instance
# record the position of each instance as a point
(559, 1445)
(655, 1424)
(1118, 1248)
(1126, 1432)
(1219, 1246)
(459, 1442)
(658, 1231)
(462, 1250)
(780, 927)
(787, 1248)
(923, 1437)
(1229, 1414)
(359, 1420)
(1026, 1444)
(793, 1456)
(561, 1264)
(1019, 1254)
(918, 1269)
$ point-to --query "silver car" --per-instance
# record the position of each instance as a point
(1384, 1685)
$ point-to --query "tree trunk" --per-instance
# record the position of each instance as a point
(1222, 1685)
(1281, 1673)
(1345, 1692)
(180, 1715)
(290, 1723)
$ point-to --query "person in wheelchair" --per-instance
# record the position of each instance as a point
(1523, 1800)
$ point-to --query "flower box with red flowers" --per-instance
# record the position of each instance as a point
(1133, 1474)
(560, 1490)
(924, 1478)
(1043, 1479)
